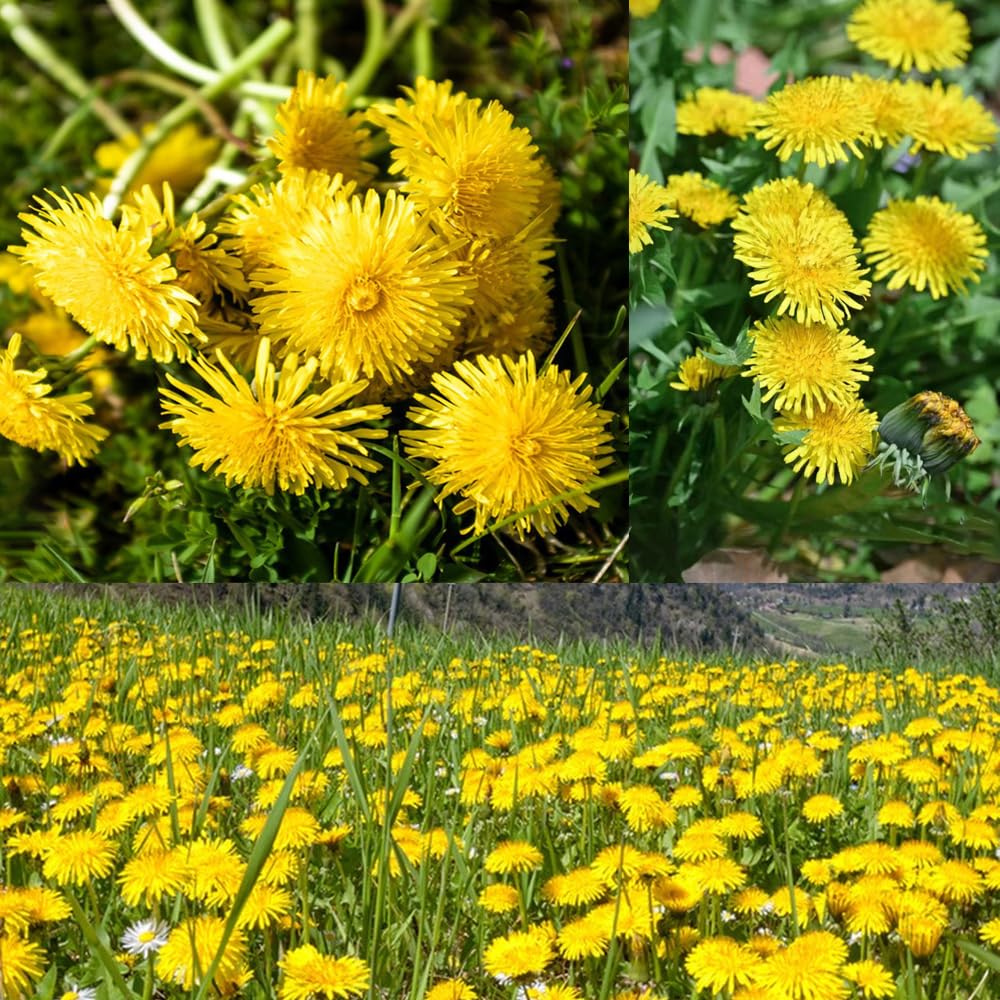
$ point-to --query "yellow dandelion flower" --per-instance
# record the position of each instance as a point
(578, 887)
(710, 109)
(896, 813)
(699, 199)
(147, 878)
(273, 434)
(180, 158)
(838, 441)
(819, 116)
(32, 418)
(871, 978)
(265, 906)
(451, 989)
(471, 165)
(716, 875)
(190, 949)
(506, 438)
(520, 953)
(943, 120)
(927, 34)
(75, 858)
(499, 898)
(990, 932)
(810, 967)
(513, 856)
(269, 216)
(721, 964)
(643, 8)
(647, 209)
(366, 288)
(750, 901)
(583, 938)
(818, 808)
(799, 246)
(889, 105)
(317, 133)
(806, 365)
(106, 278)
(21, 962)
(925, 243)
(697, 373)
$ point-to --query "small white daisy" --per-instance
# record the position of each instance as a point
(79, 992)
(145, 937)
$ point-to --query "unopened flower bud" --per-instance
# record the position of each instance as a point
(931, 427)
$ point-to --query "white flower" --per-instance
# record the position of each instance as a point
(241, 771)
(145, 937)
(79, 992)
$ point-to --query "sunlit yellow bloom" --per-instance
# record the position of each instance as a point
(818, 808)
(925, 243)
(721, 964)
(190, 949)
(33, 418)
(317, 133)
(647, 209)
(21, 963)
(927, 34)
(107, 279)
(274, 433)
(76, 858)
(943, 120)
(806, 366)
(799, 246)
(710, 110)
(888, 103)
(505, 438)
(699, 199)
(818, 116)
(520, 953)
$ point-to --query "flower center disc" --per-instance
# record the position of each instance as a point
(364, 294)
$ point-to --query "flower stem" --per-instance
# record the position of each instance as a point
(307, 34)
(43, 55)
(423, 50)
(210, 26)
(252, 56)
(373, 55)
(147, 989)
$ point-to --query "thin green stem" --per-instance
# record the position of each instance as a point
(423, 49)
(140, 30)
(252, 56)
(209, 18)
(44, 56)
(307, 34)
(373, 55)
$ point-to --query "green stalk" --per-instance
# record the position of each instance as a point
(423, 49)
(209, 18)
(256, 53)
(307, 34)
(44, 56)
(372, 56)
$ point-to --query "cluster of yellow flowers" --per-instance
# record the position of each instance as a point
(689, 823)
(342, 295)
(800, 248)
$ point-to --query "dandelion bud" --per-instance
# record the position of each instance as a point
(932, 427)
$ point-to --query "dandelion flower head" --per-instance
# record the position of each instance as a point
(944, 120)
(926, 34)
(838, 441)
(308, 973)
(806, 365)
(800, 247)
(316, 132)
(275, 432)
(106, 278)
(505, 438)
(31, 417)
(818, 116)
(366, 288)
(925, 243)
(699, 199)
(712, 110)
(647, 209)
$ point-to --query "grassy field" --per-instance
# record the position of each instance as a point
(204, 801)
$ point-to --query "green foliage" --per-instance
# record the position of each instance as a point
(707, 469)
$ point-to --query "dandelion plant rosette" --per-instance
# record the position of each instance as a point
(240, 294)
(833, 249)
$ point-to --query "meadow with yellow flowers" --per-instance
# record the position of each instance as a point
(814, 287)
(199, 803)
(333, 310)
